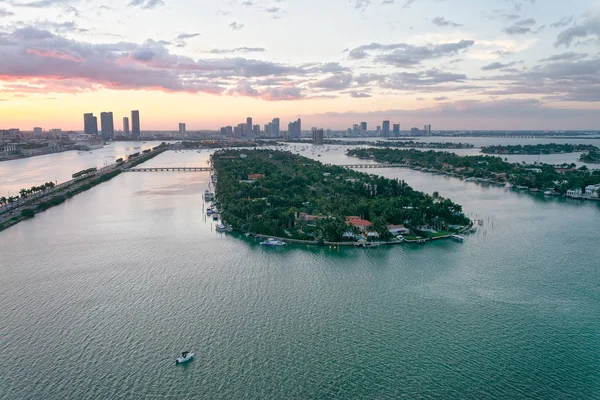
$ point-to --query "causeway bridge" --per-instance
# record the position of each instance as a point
(373, 165)
(168, 169)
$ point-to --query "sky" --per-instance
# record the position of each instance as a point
(454, 64)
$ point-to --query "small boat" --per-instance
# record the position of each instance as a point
(548, 193)
(457, 238)
(184, 357)
(273, 242)
(220, 228)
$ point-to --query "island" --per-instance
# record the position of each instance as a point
(536, 149)
(284, 195)
(592, 157)
(563, 179)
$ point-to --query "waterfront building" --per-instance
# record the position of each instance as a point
(249, 122)
(107, 125)
(275, 127)
(135, 124)
(295, 129)
(181, 129)
(386, 128)
(427, 130)
(37, 131)
(355, 129)
(125, 126)
(90, 124)
(415, 131)
(256, 130)
(317, 136)
(363, 126)
(396, 130)
(592, 190)
(574, 193)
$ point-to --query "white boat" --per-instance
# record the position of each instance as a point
(458, 238)
(184, 357)
(220, 228)
(273, 242)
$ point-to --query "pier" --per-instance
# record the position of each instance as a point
(168, 169)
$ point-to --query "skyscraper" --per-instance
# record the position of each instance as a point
(295, 129)
(256, 130)
(90, 124)
(108, 126)
(317, 136)
(135, 124)
(275, 127)
(363, 126)
(182, 128)
(386, 128)
(125, 126)
(249, 122)
(396, 129)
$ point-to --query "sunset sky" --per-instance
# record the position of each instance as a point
(455, 64)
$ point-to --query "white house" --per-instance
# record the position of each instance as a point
(398, 230)
(574, 193)
(592, 190)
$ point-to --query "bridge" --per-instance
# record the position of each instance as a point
(373, 165)
(167, 169)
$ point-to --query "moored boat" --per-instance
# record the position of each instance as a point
(272, 242)
(457, 238)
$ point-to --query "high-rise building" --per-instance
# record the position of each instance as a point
(275, 127)
(108, 126)
(90, 124)
(135, 124)
(396, 129)
(37, 131)
(295, 129)
(386, 128)
(317, 136)
(429, 130)
(182, 128)
(414, 131)
(268, 130)
(256, 130)
(249, 122)
(125, 126)
(363, 126)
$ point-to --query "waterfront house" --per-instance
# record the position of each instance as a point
(574, 193)
(398, 230)
(592, 190)
(311, 220)
(357, 222)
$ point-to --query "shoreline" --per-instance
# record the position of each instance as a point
(352, 244)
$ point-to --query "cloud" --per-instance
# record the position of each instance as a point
(564, 21)
(441, 21)
(183, 36)
(441, 98)
(236, 26)
(359, 95)
(497, 65)
(589, 27)
(565, 56)
(408, 55)
(42, 3)
(520, 27)
(238, 50)
(360, 5)
(334, 82)
(6, 13)
(146, 4)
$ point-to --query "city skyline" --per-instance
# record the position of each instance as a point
(500, 64)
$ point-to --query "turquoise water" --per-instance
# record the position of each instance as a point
(101, 293)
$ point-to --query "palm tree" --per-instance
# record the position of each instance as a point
(23, 193)
(3, 200)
